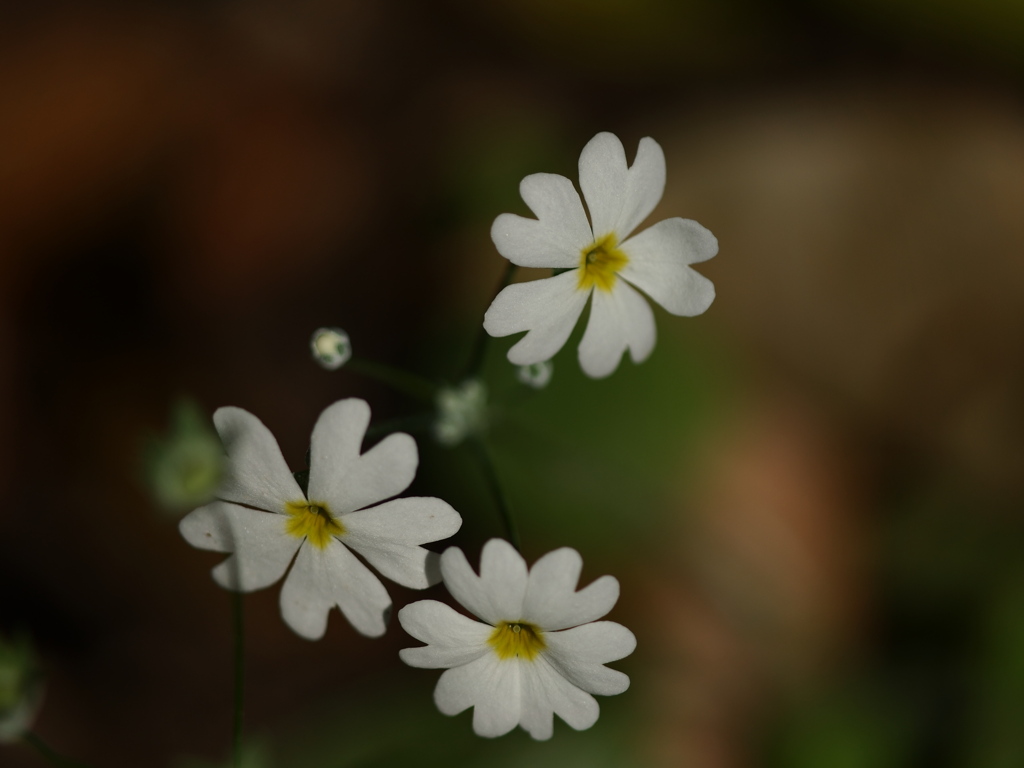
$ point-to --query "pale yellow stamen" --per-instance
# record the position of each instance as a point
(313, 521)
(599, 263)
(511, 639)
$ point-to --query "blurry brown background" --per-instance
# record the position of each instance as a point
(826, 570)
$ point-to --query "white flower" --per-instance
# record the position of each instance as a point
(330, 347)
(597, 254)
(263, 517)
(461, 412)
(540, 652)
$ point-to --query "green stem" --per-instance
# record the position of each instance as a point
(416, 423)
(48, 752)
(491, 476)
(415, 386)
(477, 356)
(238, 625)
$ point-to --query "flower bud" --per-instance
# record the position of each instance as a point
(184, 468)
(536, 375)
(331, 348)
(461, 412)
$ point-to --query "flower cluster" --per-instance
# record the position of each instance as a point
(539, 650)
(537, 647)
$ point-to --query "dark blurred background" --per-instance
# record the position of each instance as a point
(811, 495)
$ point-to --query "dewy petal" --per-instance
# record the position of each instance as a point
(490, 686)
(497, 593)
(323, 578)
(263, 548)
(580, 653)
(547, 308)
(555, 237)
(346, 480)
(256, 473)
(619, 319)
(388, 535)
(619, 198)
(603, 181)
(658, 259)
(453, 639)
(552, 601)
(545, 691)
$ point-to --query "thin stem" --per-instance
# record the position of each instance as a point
(417, 387)
(416, 423)
(238, 625)
(48, 752)
(491, 476)
(477, 356)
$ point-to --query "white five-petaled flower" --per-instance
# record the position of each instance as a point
(265, 519)
(602, 258)
(540, 651)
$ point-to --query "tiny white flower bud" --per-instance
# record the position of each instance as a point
(461, 412)
(331, 348)
(536, 375)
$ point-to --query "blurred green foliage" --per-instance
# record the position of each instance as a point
(393, 723)
(942, 683)
(21, 686)
(986, 29)
(653, 39)
(596, 465)
(857, 724)
(254, 754)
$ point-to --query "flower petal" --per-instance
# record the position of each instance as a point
(552, 601)
(658, 259)
(263, 548)
(497, 593)
(452, 639)
(256, 473)
(580, 653)
(388, 536)
(619, 198)
(346, 480)
(544, 692)
(490, 686)
(547, 308)
(323, 578)
(619, 319)
(558, 234)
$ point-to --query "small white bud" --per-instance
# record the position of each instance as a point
(536, 375)
(331, 348)
(461, 412)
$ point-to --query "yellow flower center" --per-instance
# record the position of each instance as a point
(313, 521)
(599, 262)
(511, 639)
